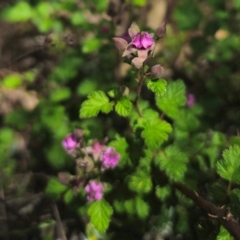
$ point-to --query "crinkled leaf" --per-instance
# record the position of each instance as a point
(187, 121)
(97, 101)
(162, 192)
(158, 86)
(100, 213)
(173, 162)
(142, 208)
(155, 132)
(140, 182)
(229, 167)
(55, 188)
(123, 106)
(174, 98)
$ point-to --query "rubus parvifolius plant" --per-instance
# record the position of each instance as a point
(159, 174)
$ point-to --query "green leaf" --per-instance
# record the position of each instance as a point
(123, 106)
(162, 192)
(97, 101)
(173, 162)
(158, 86)
(130, 206)
(121, 146)
(60, 94)
(91, 45)
(185, 11)
(155, 132)
(229, 167)
(141, 207)
(12, 81)
(173, 99)
(20, 12)
(100, 213)
(68, 196)
(224, 234)
(140, 182)
(54, 188)
(186, 121)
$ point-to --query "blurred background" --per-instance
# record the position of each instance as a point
(53, 53)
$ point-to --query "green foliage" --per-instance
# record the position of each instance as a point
(229, 167)
(12, 81)
(162, 192)
(90, 45)
(185, 11)
(158, 87)
(100, 213)
(21, 11)
(97, 101)
(173, 99)
(224, 234)
(54, 188)
(140, 182)
(121, 146)
(155, 131)
(173, 162)
(60, 94)
(142, 208)
(123, 106)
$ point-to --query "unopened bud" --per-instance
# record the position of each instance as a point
(137, 62)
(64, 178)
(156, 71)
(160, 32)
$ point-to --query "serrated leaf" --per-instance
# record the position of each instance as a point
(162, 192)
(55, 188)
(155, 132)
(121, 145)
(174, 98)
(100, 213)
(142, 208)
(97, 101)
(229, 167)
(158, 86)
(186, 121)
(173, 162)
(224, 234)
(123, 106)
(140, 182)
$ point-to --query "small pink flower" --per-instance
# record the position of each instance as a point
(94, 190)
(190, 100)
(110, 158)
(142, 40)
(96, 150)
(70, 142)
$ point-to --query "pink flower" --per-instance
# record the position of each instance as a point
(110, 158)
(142, 40)
(94, 190)
(70, 142)
(190, 100)
(96, 150)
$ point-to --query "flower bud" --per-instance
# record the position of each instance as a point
(156, 71)
(160, 32)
